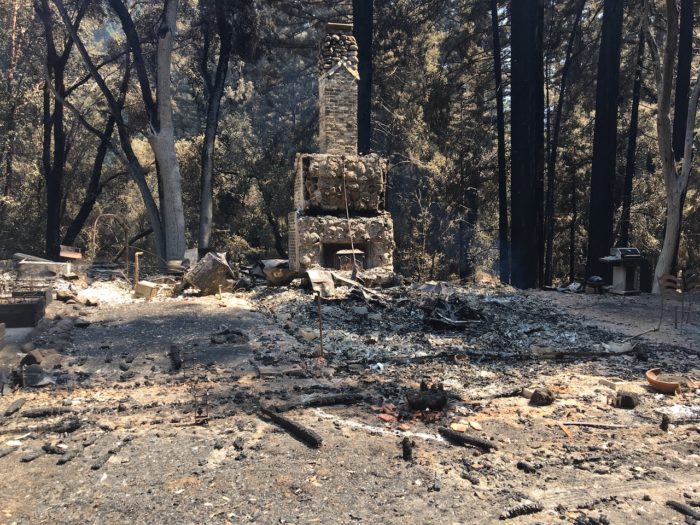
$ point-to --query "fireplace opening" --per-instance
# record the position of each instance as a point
(340, 256)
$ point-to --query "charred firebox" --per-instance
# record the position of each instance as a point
(339, 219)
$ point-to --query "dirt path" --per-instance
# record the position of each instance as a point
(139, 459)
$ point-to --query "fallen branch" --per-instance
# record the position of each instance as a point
(15, 406)
(591, 424)
(68, 456)
(565, 430)
(466, 439)
(321, 401)
(303, 434)
(4, 451)
(645, 332)
(45, 412)
(684, 509)
(65, 426)
(523, 509)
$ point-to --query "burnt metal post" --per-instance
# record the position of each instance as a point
(320, 324)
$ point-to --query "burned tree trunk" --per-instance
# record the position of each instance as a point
(554, 146)
(526, 145)
(214, 90)
(632, 143)
(540, 144)
(126, 154)
(601, 212)
(503, 244)
(95, 186)
(685, 57)
(94, 189)
(54, 145)
(572, 228)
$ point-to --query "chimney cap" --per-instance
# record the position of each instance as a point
(338, 28)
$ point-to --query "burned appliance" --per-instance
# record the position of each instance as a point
(625, 262)
(339, 218)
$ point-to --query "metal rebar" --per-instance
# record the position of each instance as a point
(320, 324)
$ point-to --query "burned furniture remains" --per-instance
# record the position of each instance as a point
(21, 312)
(26, 287)
(339, 220)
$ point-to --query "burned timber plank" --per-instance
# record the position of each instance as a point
(14, 406)
(523, 509)
(466, 439)
(64, 426)
(303, 434)
(321, 401)
(40, 412)
(684, 509)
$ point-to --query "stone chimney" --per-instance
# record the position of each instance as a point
(338, 91)
(339, 221)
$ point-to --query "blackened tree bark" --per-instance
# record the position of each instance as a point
(96, 185)
(54, 141)
(126, 153)
(680, 113)
(9, 138)
(363, 14)
(526, 144)
(214, 88)
(540, 144)
(601, 210)
(554, 146)
(503, 244)
(685, 57)
(624, 239)
(236, 26)
(572, 227)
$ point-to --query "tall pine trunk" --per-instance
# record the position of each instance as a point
(503, 244)
(215, 91)
(572, 227)
(54, 140)
(632, 142)
(601, 211)
(540, 142)
(8, 144)
(554, 146)
(527, 141)
(685, 58)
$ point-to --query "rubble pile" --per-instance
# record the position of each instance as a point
(424, 321)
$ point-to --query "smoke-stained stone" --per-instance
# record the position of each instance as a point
(323, 180)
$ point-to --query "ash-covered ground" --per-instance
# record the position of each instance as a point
(113, 439)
